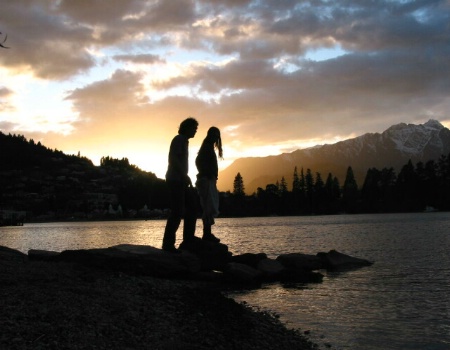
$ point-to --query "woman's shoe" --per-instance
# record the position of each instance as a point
(172, 249)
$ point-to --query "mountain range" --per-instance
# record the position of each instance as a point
(392, 148)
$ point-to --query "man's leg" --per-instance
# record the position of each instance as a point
(190, 213)
(177, 198)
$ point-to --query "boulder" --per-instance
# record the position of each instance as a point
(291, 275)
(11, 254)
(271, 269)
(242, 274)
(250, 259)
(213, 256)
(301, 262)
(201, 260)
(135, 260)
(334, 260)
(43, 255)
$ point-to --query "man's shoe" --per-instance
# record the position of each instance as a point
(191, 239)
(211, 238)
(172, 250)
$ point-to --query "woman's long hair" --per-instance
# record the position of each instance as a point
(211, 135)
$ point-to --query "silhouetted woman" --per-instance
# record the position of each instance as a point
(206, 184)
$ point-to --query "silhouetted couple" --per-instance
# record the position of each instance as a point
(183, 196)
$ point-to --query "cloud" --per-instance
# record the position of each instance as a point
(139, 67)
(140, 59)
(5, 104)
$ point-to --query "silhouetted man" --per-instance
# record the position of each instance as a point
(179, 183)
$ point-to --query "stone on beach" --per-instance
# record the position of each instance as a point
(128, 258)
(299, 261)
(213, 256)
(203, 260)
(334, 260)
(11, 254)
(72, 305)
(251, 259)
(236, 273)
(271, 269)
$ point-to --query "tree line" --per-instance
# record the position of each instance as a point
(40, 180)
(419, 187)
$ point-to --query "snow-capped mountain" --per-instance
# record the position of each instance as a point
(392, 148)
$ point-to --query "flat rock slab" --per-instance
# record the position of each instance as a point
(300, 261)
(334, 260)
(198, 259)
(128, 258)
(213, 256)
(8, 254)
(242, 274)
(251, 259)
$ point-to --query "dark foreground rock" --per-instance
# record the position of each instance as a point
(140, 297)
(203, 260)
(62, 305)
(335, 261)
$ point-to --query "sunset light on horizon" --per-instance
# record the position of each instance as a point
(116, 78)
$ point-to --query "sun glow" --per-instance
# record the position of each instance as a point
(40, 106)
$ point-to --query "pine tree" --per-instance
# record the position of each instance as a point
(332, 194)
(407, 188)
(295, 181)
(336, 188)
(283, 186)
(238, 185)
(297, 192)
(309, 191)
(371, 192)
(302, 183)
(319, 194)
(443, 170)
(350, 192)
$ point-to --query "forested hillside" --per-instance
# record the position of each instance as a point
(417, 187)
(50, 185)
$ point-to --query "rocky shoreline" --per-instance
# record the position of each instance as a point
(62, 305)
(140, 297)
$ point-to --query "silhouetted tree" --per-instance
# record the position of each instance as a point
(443, 169)
(319, 195)
(238, 185)
(309, 191)
(428, 184)
(272, 199)
(407, 189)
(350, 194)
(283, 186)
(285, 198)
(332, 195)
(295, 181)
(297, 192)
(388, 180)
(371, 191)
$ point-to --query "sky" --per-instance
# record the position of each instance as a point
(116, 77)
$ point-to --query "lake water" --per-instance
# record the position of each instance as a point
(400, 302)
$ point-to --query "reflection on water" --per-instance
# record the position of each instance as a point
(81, 235)
(401, 302)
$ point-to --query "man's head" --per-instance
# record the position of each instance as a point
(188, 127)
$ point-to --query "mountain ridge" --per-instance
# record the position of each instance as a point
(394, 147)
